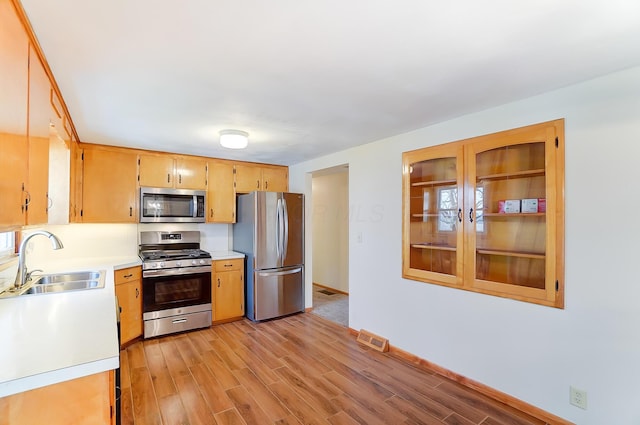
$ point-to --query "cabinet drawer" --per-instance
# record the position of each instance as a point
(226, 265)
(127, 275)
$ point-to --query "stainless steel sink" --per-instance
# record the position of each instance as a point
(66, 277)
(60, 282)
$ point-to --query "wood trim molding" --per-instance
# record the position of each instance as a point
(331, 289)
(474, 385)
(22, 15)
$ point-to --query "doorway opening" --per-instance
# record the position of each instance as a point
(330, 227)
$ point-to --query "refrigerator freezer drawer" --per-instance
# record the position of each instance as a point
(276, 293)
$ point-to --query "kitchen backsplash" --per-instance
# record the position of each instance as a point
(113, 240)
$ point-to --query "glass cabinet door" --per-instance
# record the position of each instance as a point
(433, 215)
(508, 198)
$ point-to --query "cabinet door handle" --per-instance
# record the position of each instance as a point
(266, 185)
(127, 276)
(211, 213)
(218, 282)
(470, 215)
(130, 211)
(460, 215)
(228, 265)
(180, 178)
(137, 292)
(257, 184)
(168, 178)
(27, 200)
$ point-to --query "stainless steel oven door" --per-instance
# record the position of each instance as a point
(163, 291)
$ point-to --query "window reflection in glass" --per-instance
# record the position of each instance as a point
(447, 209)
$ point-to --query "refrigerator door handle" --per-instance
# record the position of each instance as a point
(285, 238)
(278, 221)
(280, 273)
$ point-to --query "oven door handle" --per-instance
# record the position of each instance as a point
(176, 271)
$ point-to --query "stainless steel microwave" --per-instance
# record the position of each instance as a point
(161, 205)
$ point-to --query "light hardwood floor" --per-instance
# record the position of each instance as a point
(301, 369)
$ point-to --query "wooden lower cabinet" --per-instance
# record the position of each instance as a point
(86, 400)
(227, 290)
(128, 286)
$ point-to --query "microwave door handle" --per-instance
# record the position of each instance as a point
(194, 203)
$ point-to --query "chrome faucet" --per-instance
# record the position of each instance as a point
(21, 277)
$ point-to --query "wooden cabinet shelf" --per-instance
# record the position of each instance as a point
(513, 215)
(433, 183)
(453, 232)
(513, 175)
(434, 247)
(511, 253)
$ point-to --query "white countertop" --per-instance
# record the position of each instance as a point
(51, 338)
(225, 255)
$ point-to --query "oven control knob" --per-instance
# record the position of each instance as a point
(154, 265)
(201, 261)
(194, 262)
(178, 264)
(161, 264)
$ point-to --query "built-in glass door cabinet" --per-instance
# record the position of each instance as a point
(433, 232)
(512, 214)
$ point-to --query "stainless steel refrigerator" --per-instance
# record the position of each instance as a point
(269, 230)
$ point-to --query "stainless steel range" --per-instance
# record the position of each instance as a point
(176, 282)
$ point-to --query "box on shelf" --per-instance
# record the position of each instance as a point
(542, 205)
(530, 205)
(509, 206)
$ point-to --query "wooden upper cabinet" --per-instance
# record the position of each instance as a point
(14, 62)
(109, 186)
(498, 226)
(250, 177)
(221, 195)
(40, 114)
(275, 179)
(163, 170)
(157, 170)
(191, 173)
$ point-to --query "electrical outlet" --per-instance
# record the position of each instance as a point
(578, 398)
(359, 237)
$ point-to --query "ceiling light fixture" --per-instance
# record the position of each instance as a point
(234, 139)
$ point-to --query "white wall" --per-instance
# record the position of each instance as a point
(531, 352)
(330, 218)
(113, 240)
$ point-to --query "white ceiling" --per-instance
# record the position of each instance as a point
(307, 78)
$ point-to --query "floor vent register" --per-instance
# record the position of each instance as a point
(374, 341)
